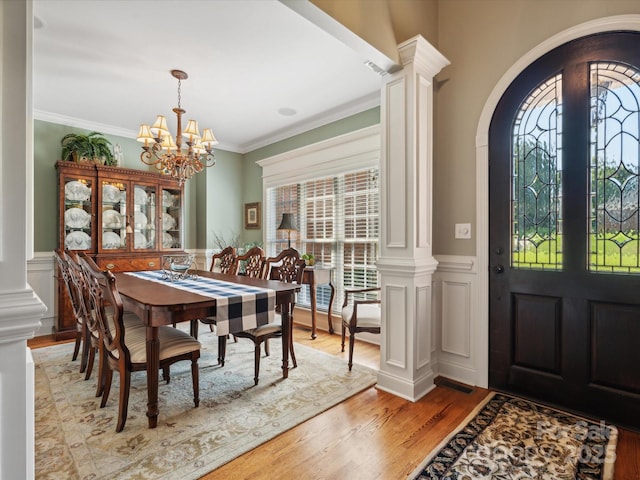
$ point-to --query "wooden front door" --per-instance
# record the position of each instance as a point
(564, 158)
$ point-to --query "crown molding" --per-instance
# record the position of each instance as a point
(344, 111)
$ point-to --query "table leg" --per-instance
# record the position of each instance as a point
(312, 293)
(285, 308)
(153, 365)
(329, 315)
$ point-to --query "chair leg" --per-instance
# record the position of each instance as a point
(351, 342)
(266, 347)
(166, 375)
(211, 327)
(102, 367)
(76, 347)
(90, 359)
(343, 334)
(256, 354)
(195, 377)
(291, 352)
(123, 408)
(293, 356)
(222, 349)
(108, 378)
(85, 348)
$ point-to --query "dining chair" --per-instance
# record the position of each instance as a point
(124, 349)
(62, 258)
(221, 262)
(359, 314)
(94, 340)
(285, 267)
(250, 264)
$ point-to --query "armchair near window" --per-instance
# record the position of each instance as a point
(359, 315)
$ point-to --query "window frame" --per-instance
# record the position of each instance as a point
(358, 150)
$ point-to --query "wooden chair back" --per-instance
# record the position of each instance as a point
(223, 261)
(107, 310)
(287, 266)
(62, 258)
(252, 263)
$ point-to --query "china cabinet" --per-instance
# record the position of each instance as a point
(123, 219)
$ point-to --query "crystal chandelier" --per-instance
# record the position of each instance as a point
(169, 155)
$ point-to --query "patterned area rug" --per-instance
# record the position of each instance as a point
(75, 439)
(509, 438)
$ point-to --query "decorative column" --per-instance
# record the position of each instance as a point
(20, 308)
(406, 263)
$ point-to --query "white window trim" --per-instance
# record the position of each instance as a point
(351, 151)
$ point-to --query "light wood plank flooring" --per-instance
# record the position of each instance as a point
(373, 435)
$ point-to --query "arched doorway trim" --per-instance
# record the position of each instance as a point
(619, 22)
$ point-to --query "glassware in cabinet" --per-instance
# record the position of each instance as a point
(113, 207)
(144, 217)
(171, 218)
(77, 218)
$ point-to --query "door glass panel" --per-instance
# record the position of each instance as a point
(536, 199)
(615, 157)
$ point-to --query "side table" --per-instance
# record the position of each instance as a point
(314, 276)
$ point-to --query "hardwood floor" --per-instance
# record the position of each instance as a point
(372, 435)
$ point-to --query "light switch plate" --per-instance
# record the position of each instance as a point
(463, 230)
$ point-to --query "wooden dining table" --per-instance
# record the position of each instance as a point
(159, 304)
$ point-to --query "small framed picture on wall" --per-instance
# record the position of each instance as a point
(252, 215)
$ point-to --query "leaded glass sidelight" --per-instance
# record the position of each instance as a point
(615, 158)
(536, 199)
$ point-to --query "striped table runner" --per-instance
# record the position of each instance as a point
(238, 307)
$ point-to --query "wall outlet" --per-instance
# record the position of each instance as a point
(463, 230)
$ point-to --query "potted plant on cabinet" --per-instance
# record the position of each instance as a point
(90, 147)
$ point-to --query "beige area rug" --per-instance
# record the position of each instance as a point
(75, 439)
(509, 438)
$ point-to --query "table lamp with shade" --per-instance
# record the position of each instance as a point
(288, 223)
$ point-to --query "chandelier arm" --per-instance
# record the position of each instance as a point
(209, 159)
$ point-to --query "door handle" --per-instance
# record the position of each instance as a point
(498, 269)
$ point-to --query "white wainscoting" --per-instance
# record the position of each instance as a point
(454, 297)
(41, 273)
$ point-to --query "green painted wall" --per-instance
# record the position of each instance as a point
(340, 127)
(223, 195)
(214, 199)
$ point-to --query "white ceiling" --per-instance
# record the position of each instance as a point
(104, 65)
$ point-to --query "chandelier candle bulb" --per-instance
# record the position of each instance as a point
(167, 154)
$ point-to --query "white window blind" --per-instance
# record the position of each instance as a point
(338, 222)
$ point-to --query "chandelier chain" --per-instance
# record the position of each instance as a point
(179, 92)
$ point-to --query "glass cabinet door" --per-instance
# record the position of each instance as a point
(77, 213)
(113, 204)
(171, 218)
(144, 217)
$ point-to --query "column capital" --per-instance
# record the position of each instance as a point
(423, 55)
